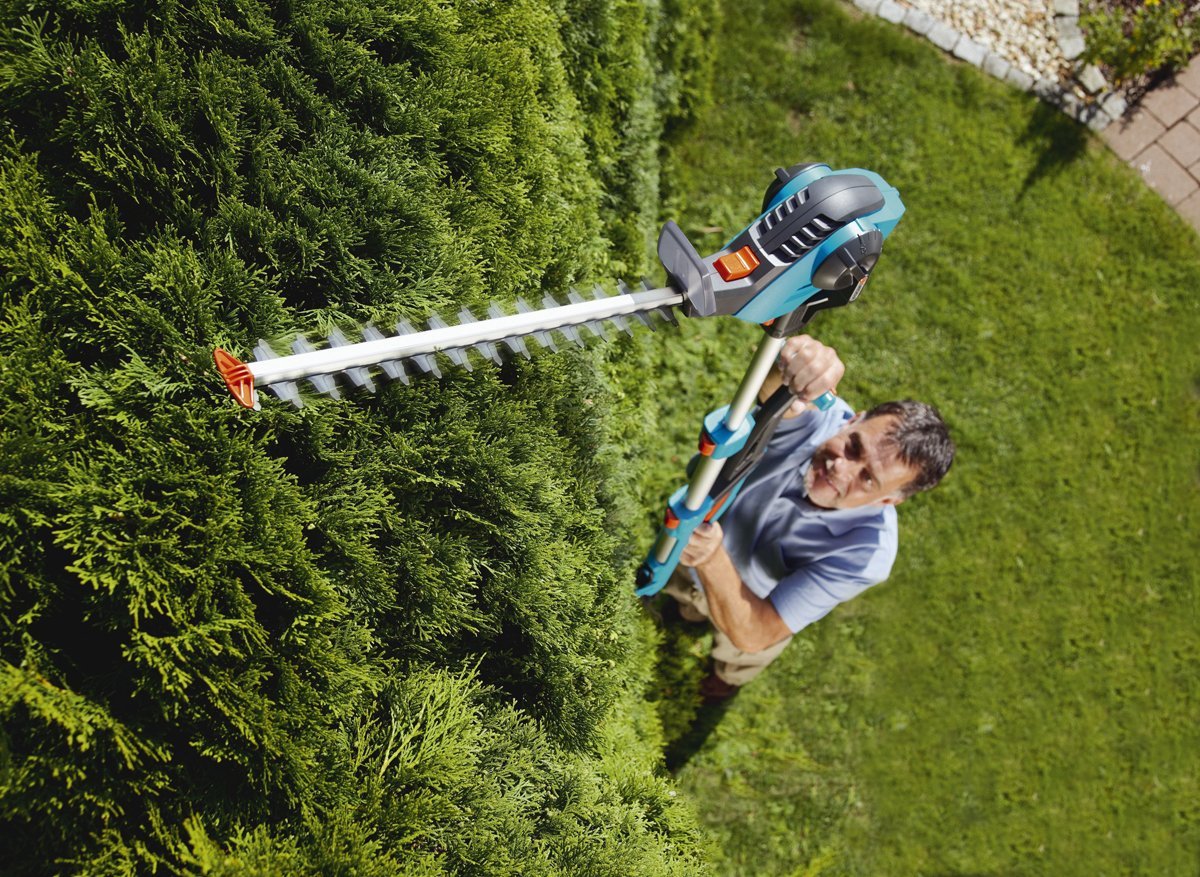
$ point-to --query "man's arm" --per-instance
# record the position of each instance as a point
(750, 622)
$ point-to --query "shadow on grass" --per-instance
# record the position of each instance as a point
(682, 661)
(680, 752)
(1060, 143)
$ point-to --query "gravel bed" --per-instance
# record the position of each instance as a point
(1022, 32)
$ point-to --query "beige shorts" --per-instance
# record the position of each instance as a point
(730, 663)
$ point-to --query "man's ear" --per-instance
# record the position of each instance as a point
(894, 499)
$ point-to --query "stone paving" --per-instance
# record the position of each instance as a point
(1160, 137)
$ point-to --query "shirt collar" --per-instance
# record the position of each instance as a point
(799, 494)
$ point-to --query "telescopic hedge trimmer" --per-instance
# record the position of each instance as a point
(813, 247)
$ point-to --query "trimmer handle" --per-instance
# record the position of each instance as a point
(818, 239)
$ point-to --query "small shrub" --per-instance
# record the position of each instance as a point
(1134, 39)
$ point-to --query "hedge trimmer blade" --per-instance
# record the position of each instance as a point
(410, 351)
(813, 247)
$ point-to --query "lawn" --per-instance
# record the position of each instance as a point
(1022, 697)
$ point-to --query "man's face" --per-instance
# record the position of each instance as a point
(858, 467)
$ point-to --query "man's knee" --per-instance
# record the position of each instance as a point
(682, 587)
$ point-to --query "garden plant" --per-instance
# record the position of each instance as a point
(1136, 41)
(1021, 697)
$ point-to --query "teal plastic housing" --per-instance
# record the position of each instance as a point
(793, 287)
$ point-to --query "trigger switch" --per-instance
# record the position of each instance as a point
(782, 178)
(645, 575)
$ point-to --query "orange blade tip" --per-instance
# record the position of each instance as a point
(237, 377)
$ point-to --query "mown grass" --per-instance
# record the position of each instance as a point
(1021, 698)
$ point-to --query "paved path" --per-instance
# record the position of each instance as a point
(1161, 139)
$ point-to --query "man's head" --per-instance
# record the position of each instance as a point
(881, 457)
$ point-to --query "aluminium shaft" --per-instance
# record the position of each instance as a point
(710, 467)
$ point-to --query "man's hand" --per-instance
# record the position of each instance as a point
(809, 368)
(706, 541)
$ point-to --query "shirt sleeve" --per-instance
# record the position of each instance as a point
(809, 593)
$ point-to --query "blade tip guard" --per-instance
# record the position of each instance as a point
(238, 378)
(687, 271)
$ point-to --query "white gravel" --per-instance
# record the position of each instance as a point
(1023, 32)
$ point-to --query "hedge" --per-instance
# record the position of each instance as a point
(389, 635)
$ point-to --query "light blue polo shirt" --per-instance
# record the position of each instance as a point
(804, 559)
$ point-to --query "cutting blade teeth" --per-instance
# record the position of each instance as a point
(646, 320)
(394, 369)
(487, 349)
(424, 361)
(321, 383)
(595, 327)
(516, 344)
(543, 338)
(287, 391)
(358, 376)
(418, 351)
(455, 355)
(264, 351)
(568, 332)
(620, 322)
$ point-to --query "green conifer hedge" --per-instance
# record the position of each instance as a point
(391, 636)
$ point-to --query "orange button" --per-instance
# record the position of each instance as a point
(737, 265)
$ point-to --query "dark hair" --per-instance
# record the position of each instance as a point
(922, 441)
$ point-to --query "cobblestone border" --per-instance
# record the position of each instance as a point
(1098, 109)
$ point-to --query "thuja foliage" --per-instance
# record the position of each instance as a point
(390, 636)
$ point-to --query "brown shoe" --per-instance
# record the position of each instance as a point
(714, 689)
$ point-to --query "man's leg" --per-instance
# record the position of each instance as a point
(730, 663)
(736, 667)
(692, 605)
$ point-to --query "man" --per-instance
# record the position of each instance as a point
(815, 522)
